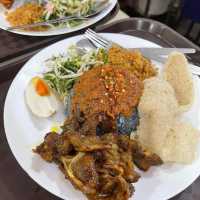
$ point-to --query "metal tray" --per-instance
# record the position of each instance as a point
(14, 183)
(149, 29)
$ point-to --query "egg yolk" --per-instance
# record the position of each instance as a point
(54, 129)
(42, 88)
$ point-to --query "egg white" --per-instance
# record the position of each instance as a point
(41, 106)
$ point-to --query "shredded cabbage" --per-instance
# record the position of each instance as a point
(60, 8)
(63, 70)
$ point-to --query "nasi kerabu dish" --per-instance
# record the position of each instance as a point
(121, 114)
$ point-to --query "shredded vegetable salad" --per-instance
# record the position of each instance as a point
(63, 70)
(60, 8)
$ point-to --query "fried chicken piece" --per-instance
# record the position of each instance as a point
(130, 174)
(87, 143)
(55, 145)
(107, 184)
(7, 3)
(101, 167)
(81, 171)
(63, 145)
(48, 149)
(112, 188)
(119, 160)
(122, 190)
(142, 158)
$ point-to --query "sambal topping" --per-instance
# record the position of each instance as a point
(107, 91)
(117, 84)
(139, 65)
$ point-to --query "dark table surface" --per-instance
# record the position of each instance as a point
(15, 184)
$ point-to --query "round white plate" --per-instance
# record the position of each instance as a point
(57, 31)
(24, 132)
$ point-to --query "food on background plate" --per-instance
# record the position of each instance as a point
(161, 129)
(40, 99)
(101, 167)
(59, 8)
(26, 14)
(42, 10)
(7, 3)
(177, 73)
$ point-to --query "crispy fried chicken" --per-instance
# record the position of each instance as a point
(101, 167)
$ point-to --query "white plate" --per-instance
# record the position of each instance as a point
(57, 31)
(24, 131)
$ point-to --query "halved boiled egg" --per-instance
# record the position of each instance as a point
(39, 98)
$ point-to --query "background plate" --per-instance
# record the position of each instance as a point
(57, 31)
